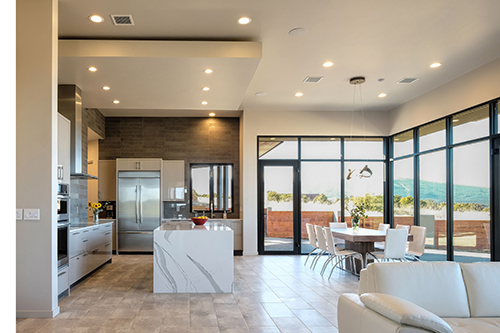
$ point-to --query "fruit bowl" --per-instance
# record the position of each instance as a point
(199, 220)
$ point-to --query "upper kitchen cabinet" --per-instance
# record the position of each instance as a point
(63, 148)
(138, 164)
(107, 180)
(173, 181)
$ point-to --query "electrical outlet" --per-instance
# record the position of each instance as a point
(19, 214)
(31, 214)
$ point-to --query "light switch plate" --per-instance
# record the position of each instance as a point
(19, 214)
(31, 214)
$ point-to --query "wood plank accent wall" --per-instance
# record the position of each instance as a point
(194, 140)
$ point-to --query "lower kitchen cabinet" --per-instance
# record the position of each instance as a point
(62, 280)
(78, 267)
(91, 247)
(237, 226)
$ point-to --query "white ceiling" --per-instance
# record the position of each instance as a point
(388, 39)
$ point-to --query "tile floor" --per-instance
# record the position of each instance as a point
(271, 294)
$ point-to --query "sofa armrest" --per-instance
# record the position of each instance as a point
(404, 312)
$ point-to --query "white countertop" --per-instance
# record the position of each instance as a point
(187, 225)
(90, 224)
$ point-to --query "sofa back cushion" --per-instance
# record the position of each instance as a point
(435, 286)
(482, 281)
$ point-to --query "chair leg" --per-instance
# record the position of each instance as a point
(340, 260)
(317, 258)
(326, 264)
(310, 254)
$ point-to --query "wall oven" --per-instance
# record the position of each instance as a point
(62, 244)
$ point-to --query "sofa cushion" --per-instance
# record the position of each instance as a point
(474, 325)
(435, 286)
(481, 282)
(404, 312)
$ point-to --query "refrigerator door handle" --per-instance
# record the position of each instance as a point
(136, 203)
(140, 198)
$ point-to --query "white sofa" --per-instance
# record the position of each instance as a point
(411, 297)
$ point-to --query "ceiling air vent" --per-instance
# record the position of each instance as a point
(312, 79)
(407, 80)
(122, 19)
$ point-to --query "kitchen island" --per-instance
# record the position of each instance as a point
(193, 259)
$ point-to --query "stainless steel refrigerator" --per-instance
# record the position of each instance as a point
(138, 210)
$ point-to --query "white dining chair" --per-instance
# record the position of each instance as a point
(312, 240)
(339, 242)
(416, 248)
(403, 226)
(381, 227)
(395, 246)
(320, 236)
(337, 255)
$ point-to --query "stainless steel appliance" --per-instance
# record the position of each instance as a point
(138, 212)
(62, 202)
(62, 243)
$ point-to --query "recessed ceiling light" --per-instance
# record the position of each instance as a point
(244, 20)
(332, 139)
(299, 94)
(208, 71)
(260, 93)
(273, 138)
(96, 18)
(92, 69)
(106, 88)
(116, 101)
(435, 65)
(382, 95)
(205, 89)
(455, 120)
(204, 102)
(211, 114)
(328, 64)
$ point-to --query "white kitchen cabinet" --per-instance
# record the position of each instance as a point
(151, 164)
(89, 248)
(107, 180)
(173, 181)
(62, 280)
(63, 148)
(78, 267)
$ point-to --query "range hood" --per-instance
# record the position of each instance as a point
(70, 106)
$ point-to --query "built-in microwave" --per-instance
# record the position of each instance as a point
(62, 209)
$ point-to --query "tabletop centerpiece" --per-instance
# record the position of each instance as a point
(358, 213)
(96, 208)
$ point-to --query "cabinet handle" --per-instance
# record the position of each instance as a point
(107, 245)
(95, 229)
(61, 274)
(75, 233)
(107, 233)
(85, 255)
(85, 241)
(62, 172)
(85, 231)
(137, 165)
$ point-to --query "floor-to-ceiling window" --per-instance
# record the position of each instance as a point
(441, 173)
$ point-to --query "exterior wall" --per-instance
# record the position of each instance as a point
(36, 157)
(473, 88)
(194, 140)
(255, 123)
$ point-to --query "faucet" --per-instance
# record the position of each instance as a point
(212, 210)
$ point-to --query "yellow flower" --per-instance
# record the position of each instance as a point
(90, 204)
(99, 205)
(94, 205)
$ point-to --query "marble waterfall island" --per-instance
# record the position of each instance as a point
(193, 259)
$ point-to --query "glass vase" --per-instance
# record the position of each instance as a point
(96, 219)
